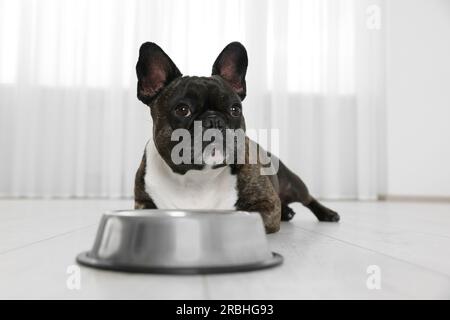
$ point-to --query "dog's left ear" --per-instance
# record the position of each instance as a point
(231, 65)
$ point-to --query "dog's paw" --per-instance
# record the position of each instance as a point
(328, 215)
(286, 213)
(323, 213)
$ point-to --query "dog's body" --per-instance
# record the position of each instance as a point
(175, 103)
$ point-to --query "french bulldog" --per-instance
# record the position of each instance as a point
(215, 102)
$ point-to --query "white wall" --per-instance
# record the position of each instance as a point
(418, 97)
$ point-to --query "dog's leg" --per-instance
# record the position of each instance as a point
(258, 194)
(269, 211)
(292, 189)
(141, 198)
(144, 205)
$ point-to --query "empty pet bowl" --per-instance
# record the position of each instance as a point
(180, 241)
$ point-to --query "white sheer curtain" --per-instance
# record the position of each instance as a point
(71, 126)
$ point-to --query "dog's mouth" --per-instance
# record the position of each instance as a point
(208, 154)
(199, 149)
(213, 155)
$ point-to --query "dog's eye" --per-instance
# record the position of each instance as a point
(183, 111)
(235, 111)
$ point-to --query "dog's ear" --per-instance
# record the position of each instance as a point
(231, 65)
(154, 71)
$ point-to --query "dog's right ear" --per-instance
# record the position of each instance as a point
(154, 71)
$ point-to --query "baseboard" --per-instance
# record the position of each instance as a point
(413, 198)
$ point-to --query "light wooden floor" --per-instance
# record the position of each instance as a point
(410, 242)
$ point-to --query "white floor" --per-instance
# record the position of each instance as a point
(409, 242)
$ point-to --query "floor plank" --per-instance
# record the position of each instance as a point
(23, 222)
(415, 232)
(318, 267)
(39, 240)
(39, 271)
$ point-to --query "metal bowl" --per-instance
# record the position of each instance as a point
(180, 241)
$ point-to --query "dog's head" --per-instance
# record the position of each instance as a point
(191, 104)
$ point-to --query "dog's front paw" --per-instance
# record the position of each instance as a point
(286, 213)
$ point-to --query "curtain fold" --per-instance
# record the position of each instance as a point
(71, 125)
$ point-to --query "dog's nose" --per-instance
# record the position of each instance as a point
(214, 122)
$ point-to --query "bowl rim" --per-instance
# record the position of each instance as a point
(85, 259)
(174, 213)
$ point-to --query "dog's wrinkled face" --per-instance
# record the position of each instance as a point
(193, 104)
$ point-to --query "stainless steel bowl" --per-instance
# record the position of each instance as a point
(180, 241)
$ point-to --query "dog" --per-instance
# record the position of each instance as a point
(179, 102)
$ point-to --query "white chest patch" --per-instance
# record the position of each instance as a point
(196, 189)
